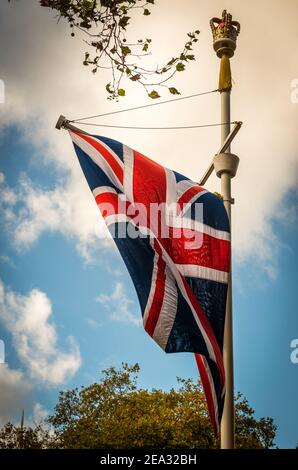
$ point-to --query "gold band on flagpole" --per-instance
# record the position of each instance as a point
(225, 76)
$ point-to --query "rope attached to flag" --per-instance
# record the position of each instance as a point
(156, 128)
(145, 105)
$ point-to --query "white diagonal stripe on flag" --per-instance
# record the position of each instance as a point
(168, 311)
(103, 190)
(152, 289)
(97, 158)
(109, 149)
(195, 270)
(128, 157)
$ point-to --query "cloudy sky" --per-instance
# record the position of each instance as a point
(67, 306)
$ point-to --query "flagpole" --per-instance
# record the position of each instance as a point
(227, 434)
(225, 33)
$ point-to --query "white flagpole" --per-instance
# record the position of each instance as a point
(227, 423)
(225, 33)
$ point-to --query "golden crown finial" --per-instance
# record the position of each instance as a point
(225, 32)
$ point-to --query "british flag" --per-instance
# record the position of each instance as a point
(180, 276)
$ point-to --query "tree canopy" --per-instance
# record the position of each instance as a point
(25, 437)
(115, 413)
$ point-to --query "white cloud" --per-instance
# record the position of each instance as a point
(39, 86)
(119, 305)
(93, 323)
(29, 211)
(34, 336)
(7, 260)
(15, 394)
(112, 360)
(39, 413)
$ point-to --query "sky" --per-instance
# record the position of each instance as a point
(68, 308)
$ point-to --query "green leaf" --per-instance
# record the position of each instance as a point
(153, 94)
(85, 24)
(146, 12)
(123, 22)
(180, 67)
(150, 1)
(174, 91)
(121, 92)
(97, 44)
(125, 50)
(108, 88)
(190, 57)
(145, 47)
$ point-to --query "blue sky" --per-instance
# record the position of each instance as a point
(52, 262)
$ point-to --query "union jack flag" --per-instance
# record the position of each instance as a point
(181, 278)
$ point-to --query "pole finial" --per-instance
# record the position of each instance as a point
(61, 121)
(225, 32)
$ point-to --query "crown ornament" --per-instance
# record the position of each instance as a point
(225, 32)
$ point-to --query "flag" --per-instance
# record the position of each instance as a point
(174, 238)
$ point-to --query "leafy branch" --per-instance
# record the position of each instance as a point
(104, 23)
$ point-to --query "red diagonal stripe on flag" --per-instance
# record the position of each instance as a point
(110, 159)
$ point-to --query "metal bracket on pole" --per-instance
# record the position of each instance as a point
(222, 149)
(65, 124)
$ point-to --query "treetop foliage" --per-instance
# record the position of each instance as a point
(105, 24)
(115, 413)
